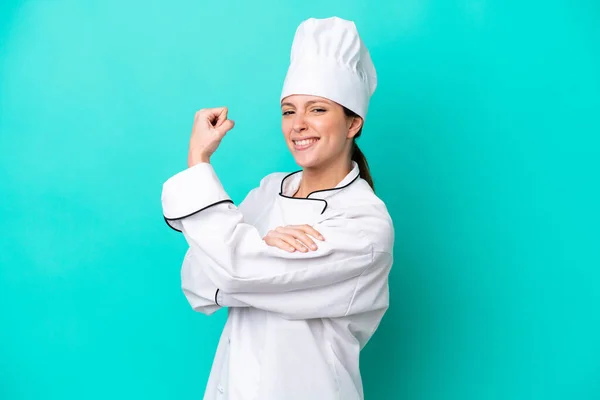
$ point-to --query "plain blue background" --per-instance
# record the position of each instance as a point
(483, 141)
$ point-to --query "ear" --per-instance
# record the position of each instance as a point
(355, 125)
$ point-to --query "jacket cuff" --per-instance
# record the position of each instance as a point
(225, 300)
(191, 191)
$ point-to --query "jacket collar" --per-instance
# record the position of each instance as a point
(291, 183)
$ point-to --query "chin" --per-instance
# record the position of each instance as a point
(307, 162)
(302, 160)
(304, 163)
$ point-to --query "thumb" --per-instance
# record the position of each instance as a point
(226, 126)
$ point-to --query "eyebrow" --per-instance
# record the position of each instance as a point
(308, 103)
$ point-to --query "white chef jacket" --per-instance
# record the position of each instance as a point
(296, 321)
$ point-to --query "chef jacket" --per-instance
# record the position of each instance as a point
(296, 321)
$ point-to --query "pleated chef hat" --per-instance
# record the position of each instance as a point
(329, 59)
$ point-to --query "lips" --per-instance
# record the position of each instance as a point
(304, 144)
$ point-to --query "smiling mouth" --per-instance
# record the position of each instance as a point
(304, 143)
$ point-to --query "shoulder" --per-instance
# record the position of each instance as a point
(361, 207)
(259, 199)
(272, 181)
(268, 187)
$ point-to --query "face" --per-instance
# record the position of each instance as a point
(316, 130)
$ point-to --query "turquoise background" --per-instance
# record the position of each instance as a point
(483, 141)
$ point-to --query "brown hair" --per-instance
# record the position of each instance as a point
(357, 155)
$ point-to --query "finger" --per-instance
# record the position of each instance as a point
(301, 236)
(213, 111)
(291, 240)
(310, 230)
(283, 245)
(215, 116)
(225, 127)
(222, 117)
(278, 242)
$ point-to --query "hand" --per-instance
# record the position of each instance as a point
(210, 126)
(293, 237)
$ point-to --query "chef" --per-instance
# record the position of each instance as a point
(302, 263)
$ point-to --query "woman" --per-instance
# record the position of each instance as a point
(303, 262)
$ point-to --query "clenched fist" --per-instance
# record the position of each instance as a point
(210, 126)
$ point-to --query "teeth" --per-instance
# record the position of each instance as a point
(304, 142)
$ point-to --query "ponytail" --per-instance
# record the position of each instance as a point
(363, 165)
(358, 156)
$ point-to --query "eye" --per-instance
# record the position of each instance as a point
(319, 110)
(288, 112)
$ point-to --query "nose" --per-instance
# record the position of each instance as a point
(299, 123)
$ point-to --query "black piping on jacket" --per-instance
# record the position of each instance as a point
(316, 191)
(216, 295)
(280, 194)
(195, 212)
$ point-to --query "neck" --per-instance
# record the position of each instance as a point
(322, 177)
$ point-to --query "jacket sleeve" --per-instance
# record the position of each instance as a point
(347, 274)
(201, 293)
(365, 292)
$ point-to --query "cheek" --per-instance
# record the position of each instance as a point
(324, 127)
(286, 125)
(332, 130)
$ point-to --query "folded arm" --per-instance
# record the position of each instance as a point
(345, 275)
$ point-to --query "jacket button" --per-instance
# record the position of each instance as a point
(220, 388)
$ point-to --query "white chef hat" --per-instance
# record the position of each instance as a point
(329, 59)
